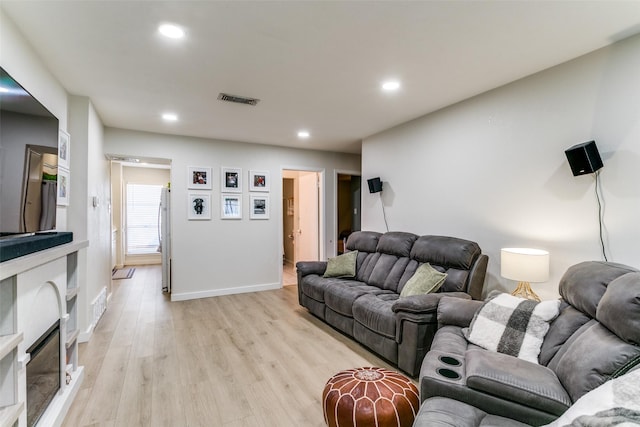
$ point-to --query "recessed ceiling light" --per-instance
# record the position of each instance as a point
(303, 134)
(170, 117)
(390, 85)
(171, 31)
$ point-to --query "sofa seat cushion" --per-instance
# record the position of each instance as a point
(374, 312)
(444, 412)
(314, 286)
(340, 296)
(523, 382)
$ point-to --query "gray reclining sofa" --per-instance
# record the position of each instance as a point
(596, 337)
(367, 307)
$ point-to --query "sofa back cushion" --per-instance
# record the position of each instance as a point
(565, 325)
(583, 284)
(396, 243)
(363, 241)
(592, 356)
(449, 255)
(619, 307)
(600, 326)
(388, 264)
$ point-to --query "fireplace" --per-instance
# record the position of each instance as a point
(43, 373)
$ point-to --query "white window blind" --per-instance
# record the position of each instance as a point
(143, 208)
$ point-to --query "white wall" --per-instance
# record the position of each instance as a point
(88, 169)
(493, 169)
(89, 178)
(228, 256)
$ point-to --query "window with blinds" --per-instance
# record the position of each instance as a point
(143, 221)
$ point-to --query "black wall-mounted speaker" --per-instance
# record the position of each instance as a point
(584, 158)
(375, 185)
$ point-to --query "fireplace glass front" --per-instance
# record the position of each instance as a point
(43, 373)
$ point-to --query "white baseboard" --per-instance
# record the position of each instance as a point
(86, 335)
(225, 291)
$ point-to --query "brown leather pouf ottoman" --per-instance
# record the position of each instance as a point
(370, 397)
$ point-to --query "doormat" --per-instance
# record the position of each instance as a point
(123, 273)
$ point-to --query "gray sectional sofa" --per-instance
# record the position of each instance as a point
(368, 306)
(595, 338)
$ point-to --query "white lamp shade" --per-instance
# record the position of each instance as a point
(524, 264)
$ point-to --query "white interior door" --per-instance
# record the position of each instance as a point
(306, 236)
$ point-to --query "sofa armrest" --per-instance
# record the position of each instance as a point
(427, 303)
(457, 311)
(516, 380)
(311, 267)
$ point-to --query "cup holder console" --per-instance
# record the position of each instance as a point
(448, 373)
(451, 361)
(446, 367)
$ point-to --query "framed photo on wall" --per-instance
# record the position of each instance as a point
(231, 179)
(231, 206)
(199, 177)
(259, 207)
(259, 181)
(63, 186)
(199, 206)
(64, 149)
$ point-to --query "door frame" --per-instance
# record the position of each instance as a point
(321, 211)
(336, 172)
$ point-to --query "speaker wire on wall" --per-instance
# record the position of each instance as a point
(384, 214)
(600, 213)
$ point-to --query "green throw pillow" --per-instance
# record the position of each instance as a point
(425, 280)
(342, 266)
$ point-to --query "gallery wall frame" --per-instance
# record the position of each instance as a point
(259, 180)
(231, 206)
(63, 186)
(199, 206)
(231, 180)
(259, 206)
(64, 149)
(199, 177)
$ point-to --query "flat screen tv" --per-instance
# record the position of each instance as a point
(28, 161)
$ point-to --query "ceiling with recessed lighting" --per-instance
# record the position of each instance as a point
(314, 65)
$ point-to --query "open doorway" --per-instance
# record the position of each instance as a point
(139, 225)
(301, 220)
(348, 203)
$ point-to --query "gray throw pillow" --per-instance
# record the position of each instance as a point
(425, 280)
(342, 266)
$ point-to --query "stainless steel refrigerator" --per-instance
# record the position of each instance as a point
(164, 218)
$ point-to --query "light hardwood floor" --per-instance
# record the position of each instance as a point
(255, 359)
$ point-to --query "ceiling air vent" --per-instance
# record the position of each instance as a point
(237, 99)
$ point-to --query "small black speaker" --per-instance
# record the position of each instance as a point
(375, 185)
(584, 158)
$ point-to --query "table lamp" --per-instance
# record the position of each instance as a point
(524, 265)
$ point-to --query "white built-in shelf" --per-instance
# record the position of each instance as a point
(71, 293)
(10, 414)
(71, 337)
(8, 343)
(13, 359)
(27, 262)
